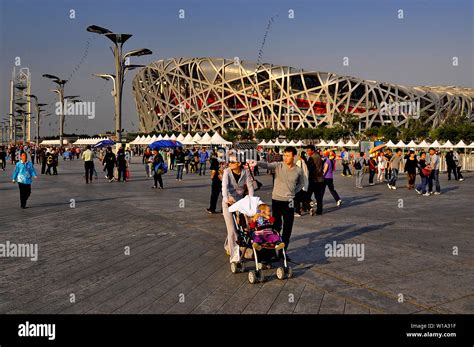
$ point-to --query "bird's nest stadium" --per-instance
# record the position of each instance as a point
(202, 94)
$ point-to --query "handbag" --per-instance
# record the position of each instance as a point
(426, 172)
(256, 184)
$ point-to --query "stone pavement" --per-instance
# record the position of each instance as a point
(419, 252)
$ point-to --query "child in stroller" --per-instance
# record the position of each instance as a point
(258, 235)
(262, 233)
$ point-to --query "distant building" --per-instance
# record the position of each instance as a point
(200, 94)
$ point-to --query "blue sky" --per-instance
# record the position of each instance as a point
(416, 50)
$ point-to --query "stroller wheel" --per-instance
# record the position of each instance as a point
(289, 272)
(234, 267)
(280, 273)
(252, 277)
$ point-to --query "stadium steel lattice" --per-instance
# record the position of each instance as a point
(200, 94)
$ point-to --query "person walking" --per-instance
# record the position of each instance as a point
(289, 180)
(424, 171)
(3, 158)
(359, 165)
(411, 165)
(372, 169)
(395, 167)
(203, 157)
(217, 171)
(316, 183)
(180, 159)
(121, 165)
(109, 162)
(434, 177)
(458, 162)
(158, 164)
(146, 161)
(388, 172)
(345, 159)
(55, 161)
(301, 198)
(381, 164)
(49, 161)
(329, 165)
(88, 157)
(235, 181)
(451, 165)
(24, 171)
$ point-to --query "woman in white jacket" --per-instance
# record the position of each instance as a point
(235, 181)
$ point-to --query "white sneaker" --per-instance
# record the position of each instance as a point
(394, 188)
(416, 190)
(426, 194)
(389, 186)
(461, 179)
(339, 203)
(437, 193)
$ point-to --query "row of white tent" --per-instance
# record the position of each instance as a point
(351, 144)
(424, 144)
(206, 139)
(90, 140)
(300, 143)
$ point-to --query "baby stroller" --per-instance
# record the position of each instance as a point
(241, 211)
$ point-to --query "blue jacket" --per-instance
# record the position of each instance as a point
(203, 156)
(23, 172)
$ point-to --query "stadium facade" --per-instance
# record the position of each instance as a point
(201, 94)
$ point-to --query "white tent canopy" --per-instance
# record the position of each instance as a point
(188, 140)
(423, 144)
(217, 139)
(53, 142)
(340, 143)
(331, 143)
(134, 142)
(391, 144)
(401, 144)
(412, 144)
(180, 138)
(197, 138)
(86, 141)
(322, 143)
(166, 137)
(461, 144)
(159, 138)
(173, 137)
(206, 139)
(447, 144)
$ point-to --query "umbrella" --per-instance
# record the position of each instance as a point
(165, 144)
(378, 148)
(104, 143)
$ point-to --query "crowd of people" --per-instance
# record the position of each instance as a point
(296, 176)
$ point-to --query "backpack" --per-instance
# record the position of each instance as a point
(357, 165)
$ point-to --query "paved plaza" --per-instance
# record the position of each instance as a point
(127, 248)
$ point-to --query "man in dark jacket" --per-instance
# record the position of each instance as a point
(109, 162)
(451, 165)
(316, 179)
(180, 158)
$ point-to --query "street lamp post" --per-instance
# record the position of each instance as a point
(38, 112)
(120, 69)
(60, 91)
